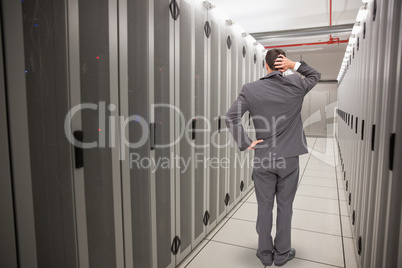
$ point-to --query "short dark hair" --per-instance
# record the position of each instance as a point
(272, 55)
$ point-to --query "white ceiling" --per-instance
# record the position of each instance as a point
(269, 15)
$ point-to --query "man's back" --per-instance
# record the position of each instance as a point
(275, 102)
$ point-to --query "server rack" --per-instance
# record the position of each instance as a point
(132, 77)
(8, 250)
(368, 134)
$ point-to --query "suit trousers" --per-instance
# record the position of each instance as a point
(280, 179)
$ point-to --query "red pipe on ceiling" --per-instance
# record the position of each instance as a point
(330, 17)
(330, 42)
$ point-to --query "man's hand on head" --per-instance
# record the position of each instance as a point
(283, 64)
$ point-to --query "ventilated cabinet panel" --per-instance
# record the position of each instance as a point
(44, 34)
(138, 106)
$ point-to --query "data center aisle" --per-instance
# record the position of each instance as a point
(321, 232)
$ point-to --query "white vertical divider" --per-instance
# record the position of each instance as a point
(75, 99)
(151, 81)
(115, 131)
(124, 152)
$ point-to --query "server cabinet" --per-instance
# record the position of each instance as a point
(393, 224)
(118, 102)
(47, 103)
(200, 124)
(187, 219)
(184, 97)
(369, 156)
(201, 138)
(375, 99)
(241, 161)
(365, 213)
(233, 182)
(223, 196)
(72, 187)
(163, 118)
(8, 249)
(249, 76)
(98, 85)
(388, 69)
(16, 103)
(212, 30)
(136, 76)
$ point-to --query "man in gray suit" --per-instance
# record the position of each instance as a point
(274, 102)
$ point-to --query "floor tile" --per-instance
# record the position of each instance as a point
(193, 254)
(300, 263)
(315, 181)
(320, 174)
(238, 232)
(323, 248)
(321, 167)
(320, 159)
(350, 255)
(217, 228)
(317, 191)
(316, 204)
(251, 198)
(248, 211)
(219, 255)
(234, 209)
(316, 222)
(246, 196)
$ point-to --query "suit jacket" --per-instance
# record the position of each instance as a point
(274, 102)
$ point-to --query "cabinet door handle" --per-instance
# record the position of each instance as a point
(193, 126)
(79, 151)
(207, 29)
(177, 10)
(174, 9)
(152, 136)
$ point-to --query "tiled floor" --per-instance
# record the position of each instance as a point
(321, 232)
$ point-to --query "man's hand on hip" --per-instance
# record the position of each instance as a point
(283, 64)
(253, 144)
